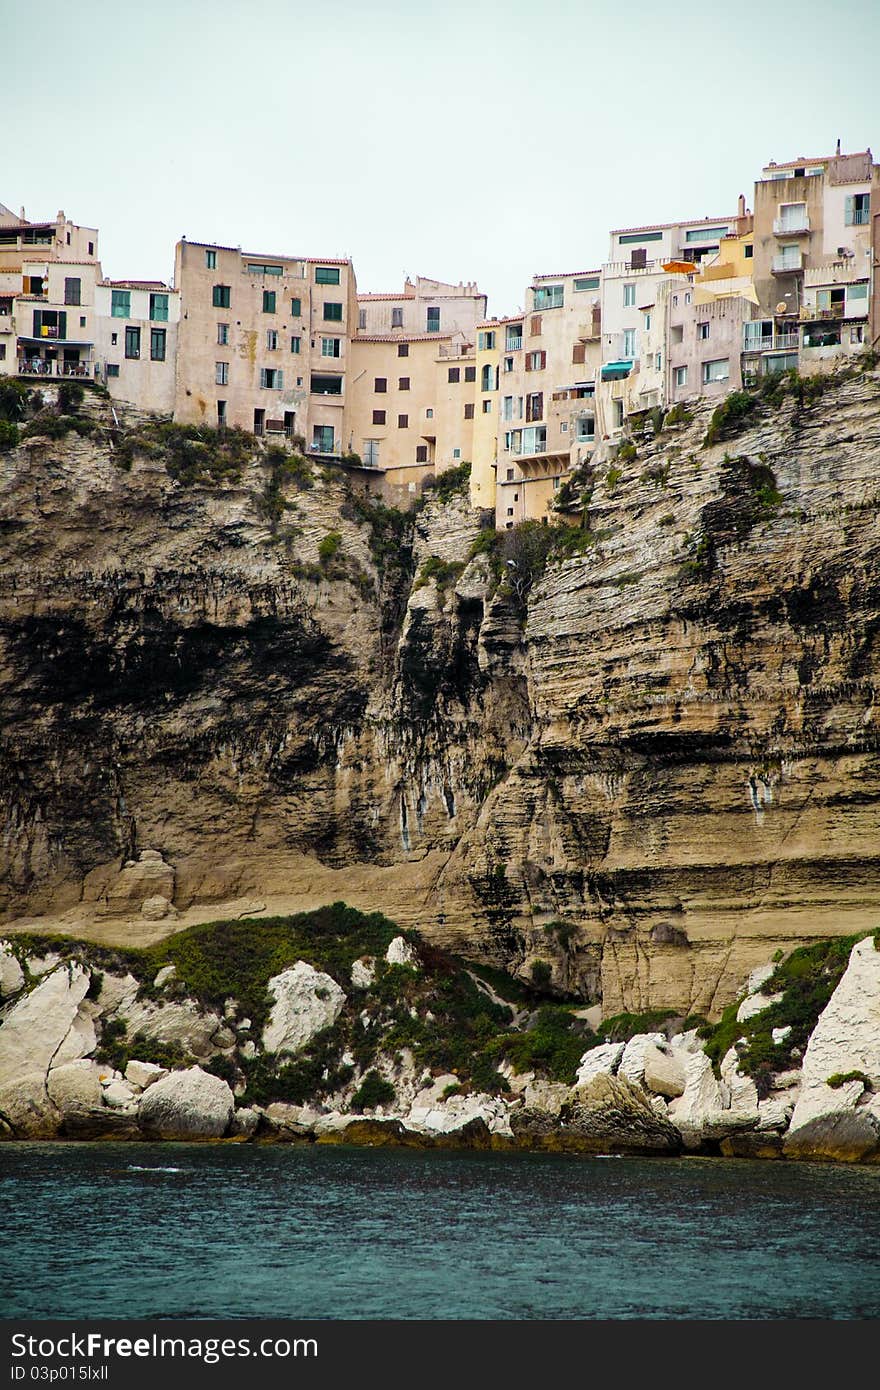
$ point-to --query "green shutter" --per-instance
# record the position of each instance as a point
(296, 308)
(849, 210)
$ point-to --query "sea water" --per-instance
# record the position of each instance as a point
(205, 1231)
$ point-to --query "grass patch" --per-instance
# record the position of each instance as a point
(444, 573)
(449, 483)
(731, 417)
(192, 454)
(840, 1078)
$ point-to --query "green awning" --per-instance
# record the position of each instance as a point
(613, 371)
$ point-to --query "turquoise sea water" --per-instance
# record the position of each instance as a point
(196, 1231)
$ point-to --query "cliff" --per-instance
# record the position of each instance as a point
(632, 779)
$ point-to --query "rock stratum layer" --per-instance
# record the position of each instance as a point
(673, 751)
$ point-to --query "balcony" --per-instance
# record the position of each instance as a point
(782, 227)
(787, 265)
(35, 366)
(771, 342)
(512, 344)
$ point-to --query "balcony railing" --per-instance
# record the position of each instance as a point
(781, 227)
(35, 366)
(512, 344)
(861, 217)
(772, 342)
(786, 265)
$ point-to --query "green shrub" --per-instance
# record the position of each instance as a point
(8, 434)
(678, 415)
(449, 482)
(553, 1047)
(70, 397)
(731, 416)
(840, 1078)
(15, 400)
(627, 451)
(374, 1090)
(445, 573)
(329, 547)
(613, 477)
(622, 1027)
(192, 454)
(542, 973)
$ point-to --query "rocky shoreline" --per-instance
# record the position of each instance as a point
(91, 1053)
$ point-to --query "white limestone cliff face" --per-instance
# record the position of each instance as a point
(843, 1122)
(31, 1036)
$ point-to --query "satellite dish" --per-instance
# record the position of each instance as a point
(781, 307)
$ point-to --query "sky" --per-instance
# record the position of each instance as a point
(471, 140)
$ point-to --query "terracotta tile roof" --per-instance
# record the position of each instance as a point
(668, 226)
(138, 285)
(402, 337)
(405, 294)
(816, 159)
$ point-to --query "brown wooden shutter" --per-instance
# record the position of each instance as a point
(579, 353)
(536, 326)
(528, 361)
(639, 258)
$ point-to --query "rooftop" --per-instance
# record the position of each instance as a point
(669, 226)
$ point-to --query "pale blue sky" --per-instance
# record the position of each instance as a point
(474, 140)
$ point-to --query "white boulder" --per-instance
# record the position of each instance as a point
(181, 1022)
(190, 1104)
(143, 1074)
(81, 1039)
(30, 1036)
(632, 1063)
(401, 953)
(75, 1086)
(755, 1004)
(11, 973)
(599, 1060)
(305, 1001)
(119, 1095)
(663, 1073)
(363, 972)
(843, 1121)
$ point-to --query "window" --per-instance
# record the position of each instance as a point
(403, 422)
(397, 318)
(749, 251)
(271, 340)
(680, 376)
(296, 308)
(333, 312)
(259, 419)
(535, 326)
(91, 248)
(702, 331)
(325, 385)
(403, 383)
(220, 298)
(470, 373)
(704, 234)
(378, 417)
(221, 414)
(629, 294)
(507, 408)
(687, 298)
(487, 377)
(454, 374)
(590, 282)
(547, 297)
(486, 341)
(403, 349)
(716, 371)
(330, 347)
(658, 362)
(536, 361)
(371, 453)
(421, 453)
(487, 407)
(159, 308)
(647, 323)
(221, 373)
(508, 364)
(509, 475)
(632, 238)
(157, 344)
(326, 274)
(259, 269)
(132, 342)
(268, 301)
(222, 334)
(456, 453)
(792, 218)
(618, 414)
(72, 290)
(211, 260)
(514, 338)
(82, 320)
(510, 511)
(857, 333)
(113, 369)
(114, 338)
(629, 342)
(429, 414)
(857, 209)
(120, 304)
(535, 406)
(362, 319)
(469, 411)
(586, 429)
(380, 383)
(322, 439)
(296, 343)
(271, 379)
(433, 320)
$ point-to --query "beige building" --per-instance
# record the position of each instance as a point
(136, 326)
(264, 342)
(813, 259)
(490, 336)
(424, 306)
(48, 272)
(548, 362)
(411, 404)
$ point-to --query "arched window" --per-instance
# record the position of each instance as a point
(486, 381)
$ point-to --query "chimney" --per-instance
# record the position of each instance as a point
(838, 145)
(741, 205)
